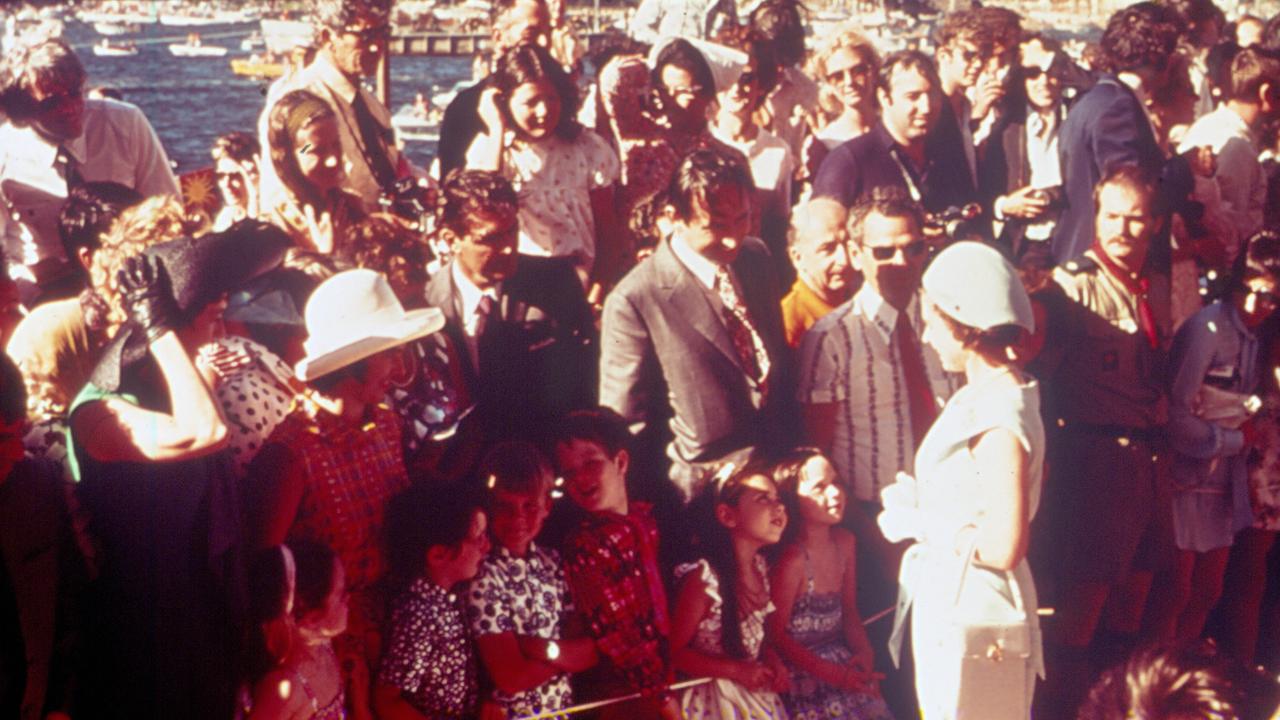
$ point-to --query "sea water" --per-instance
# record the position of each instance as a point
(190, 101)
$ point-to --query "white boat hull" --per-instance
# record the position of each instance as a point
(197, 51)
(115, 52)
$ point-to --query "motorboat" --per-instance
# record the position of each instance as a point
(112, 29)
(258, 66)
(194, 47)
(107, 49)
(417, 122)
(253, 43)
(282, 36)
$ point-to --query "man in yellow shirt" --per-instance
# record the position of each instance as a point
(824, 278)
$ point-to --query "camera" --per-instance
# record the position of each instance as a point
(953, 223)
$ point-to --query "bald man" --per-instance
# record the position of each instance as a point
(816, 242)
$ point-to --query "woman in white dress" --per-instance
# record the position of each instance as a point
(965, 581)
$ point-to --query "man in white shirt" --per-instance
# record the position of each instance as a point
(351, 35)
(1238, 187)
(55, 139)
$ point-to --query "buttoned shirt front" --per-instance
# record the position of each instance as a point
(1042, 158)
(849, 358)
(117, 145)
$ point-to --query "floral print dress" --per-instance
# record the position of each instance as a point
(724, 699)
(817, 622)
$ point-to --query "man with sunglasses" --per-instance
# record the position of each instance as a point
(55, 139)
(351, 35)
(869, 389)
(1020, 175)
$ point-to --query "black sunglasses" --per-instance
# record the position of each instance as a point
(912, 250)
(747, 78)
(1033, 72)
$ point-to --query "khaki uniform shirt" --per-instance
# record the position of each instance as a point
(1109, 373)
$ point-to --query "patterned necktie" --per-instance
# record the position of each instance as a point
(746, 341)
(920, 398)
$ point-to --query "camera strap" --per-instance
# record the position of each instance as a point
(908, 176)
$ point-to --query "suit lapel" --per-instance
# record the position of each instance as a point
(692, 301)
(440, 294)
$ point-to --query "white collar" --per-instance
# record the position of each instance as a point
(38, 150)
(702, 268)
(331, 77)
(876, 309)
(469, 293)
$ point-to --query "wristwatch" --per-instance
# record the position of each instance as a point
(553, 651)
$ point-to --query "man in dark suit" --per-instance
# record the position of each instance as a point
(519, 327)
(1109, 126)
(694, 332)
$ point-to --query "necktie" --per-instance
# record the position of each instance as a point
(70, 168)
(746, 340)
(1138, 286)
(373, 144)
(924, 408)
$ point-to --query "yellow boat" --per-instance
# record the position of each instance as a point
(256, 67)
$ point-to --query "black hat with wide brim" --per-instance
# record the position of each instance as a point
(200, 270)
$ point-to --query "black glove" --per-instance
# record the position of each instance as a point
(144, 288)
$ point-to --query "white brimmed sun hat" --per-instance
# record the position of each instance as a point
(354, 315)
(976, 286)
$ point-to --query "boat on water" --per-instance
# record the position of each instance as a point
(265, 67)
(112, 29)
(194, 47)
(282, 36)
(201, 19)
(108, 49)
(253, 43)
(419, 121)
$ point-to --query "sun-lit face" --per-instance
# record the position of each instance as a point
(231, 182)
(317, 148)
(517, 517)
(330, 619)
(822, 500)
(849, 77)
(911, 105)
(891, 256)
(535, 109)
(1125, 224)
(684, 101)
(719, 224)
(593, 480)
(59, 111)
(1259, 300)
(938, 335)
(745, 94)
(1044, 89)
(961, 60)
(820, 251)
(356, 48)
(486, 255)
(758, 514)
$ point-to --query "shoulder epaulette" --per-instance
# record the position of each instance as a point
(1080, 265)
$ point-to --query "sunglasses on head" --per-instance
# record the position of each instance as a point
(887, 252)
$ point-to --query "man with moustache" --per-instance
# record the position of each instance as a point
(1103, 363)
(898, 152)
(816, 242)
(52, 140)
(351, 35)
(869, 389)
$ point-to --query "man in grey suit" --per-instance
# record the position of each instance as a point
(694, 334)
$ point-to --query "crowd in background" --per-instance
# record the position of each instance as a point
(843, 375)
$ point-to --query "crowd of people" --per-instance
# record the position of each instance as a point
(718, 371)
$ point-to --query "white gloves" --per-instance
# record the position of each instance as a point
(901, 519)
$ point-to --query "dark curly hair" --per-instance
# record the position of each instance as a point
(779, 21)
(468, 194)
(49, 64)
(390, 245)
(1141, 36)
(88, 213)
(531, 63)
(697, 175)
(1166, 681)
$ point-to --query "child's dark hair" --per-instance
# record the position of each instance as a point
(787, 472)
(682, 54)
(88, 212)
(516, 466)
(469, 194)
(1190, 679)
(427, 516)
(531, 63)
(714, 543)
(779, 22)
(1260, 257)
(599, 425)
(274, 605)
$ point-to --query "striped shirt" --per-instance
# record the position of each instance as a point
(849, 358)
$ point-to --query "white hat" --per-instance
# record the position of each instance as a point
(354, 315)
(976, 286)
(726, 63)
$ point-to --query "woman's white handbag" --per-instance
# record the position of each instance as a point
(995, 669)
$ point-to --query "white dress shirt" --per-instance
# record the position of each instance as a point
(468, 299)
(1046, 166)
(117, 145)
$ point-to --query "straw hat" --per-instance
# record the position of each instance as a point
(975, 285)
(354, 315)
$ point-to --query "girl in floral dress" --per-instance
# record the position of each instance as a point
(742, 514)
(816, 628)
(563, 172)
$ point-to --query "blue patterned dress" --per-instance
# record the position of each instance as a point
(817, 622)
